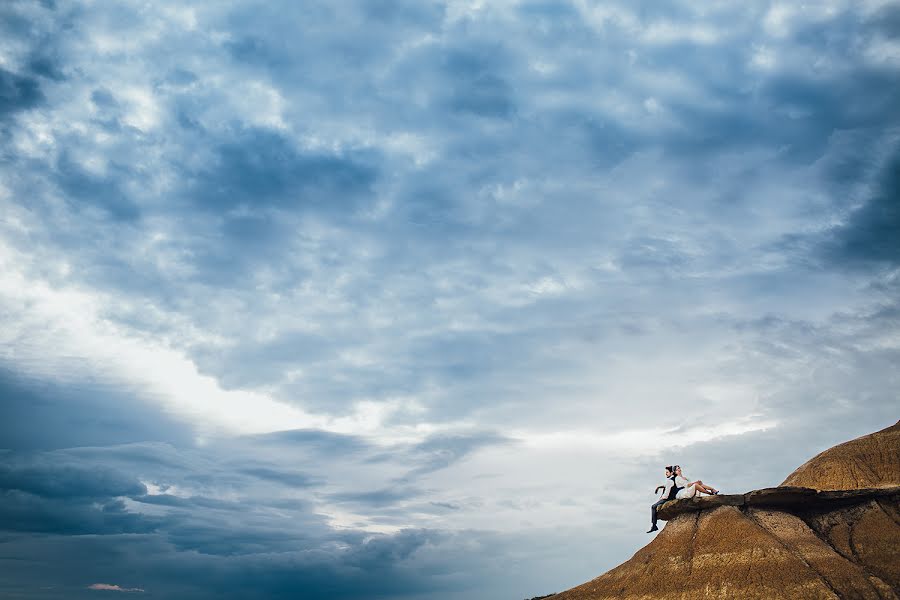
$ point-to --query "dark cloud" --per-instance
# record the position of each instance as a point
(260, 168)
(27, 27)
(255, 50)
(37, 514)
(51, 493)
(200, 546)
(314, 441)
(17, 93)
(102, 98)
(66, 481)
(370, 569)
(871, 233)
(288, 478)
(77, 414)
(218, 537)
(477, 87)
(46, 66)
(103, 191)
(886, 20)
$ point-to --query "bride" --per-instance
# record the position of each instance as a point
(689, 489)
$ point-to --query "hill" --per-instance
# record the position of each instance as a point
(831, 530)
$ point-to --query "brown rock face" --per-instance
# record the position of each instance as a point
(792, 543)
(867, 462)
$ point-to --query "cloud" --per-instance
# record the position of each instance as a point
(67, 415)
(321, 442)
(110, 587)
(870, 233)
(261, 168)
(65, 481)
(82, 187)
(241, 545)
(291, 479)
(17, 92)
(442, 450)
(24, 512)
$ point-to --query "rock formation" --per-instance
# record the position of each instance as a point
(831, 530)
(867, 462)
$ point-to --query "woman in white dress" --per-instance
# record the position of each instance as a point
(689, 489)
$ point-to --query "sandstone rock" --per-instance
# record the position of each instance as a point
(780, 496)
(867, 534)
(791, 542)
(836, 497)
(870, 461)
(670, 509)
(727, 552)
(842, 575)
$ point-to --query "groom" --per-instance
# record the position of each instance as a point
(663, 497)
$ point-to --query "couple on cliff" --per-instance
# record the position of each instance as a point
(677, 486)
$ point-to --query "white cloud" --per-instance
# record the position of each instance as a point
(59, 332)
(110, 587)
(647, 441)
(883, 52)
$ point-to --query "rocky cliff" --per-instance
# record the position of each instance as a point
(831, 530)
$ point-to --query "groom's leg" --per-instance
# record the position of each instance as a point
(653, 510)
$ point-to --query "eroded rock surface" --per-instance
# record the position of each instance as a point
(867, 462)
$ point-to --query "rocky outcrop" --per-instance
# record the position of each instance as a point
(823, 540)
(869, 461)
(796, 499)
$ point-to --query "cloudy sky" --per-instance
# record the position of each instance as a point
(401, 299)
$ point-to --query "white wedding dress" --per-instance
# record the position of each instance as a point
(687, 491)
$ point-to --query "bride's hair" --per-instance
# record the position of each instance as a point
(675, 468)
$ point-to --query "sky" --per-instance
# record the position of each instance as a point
(408, 299)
